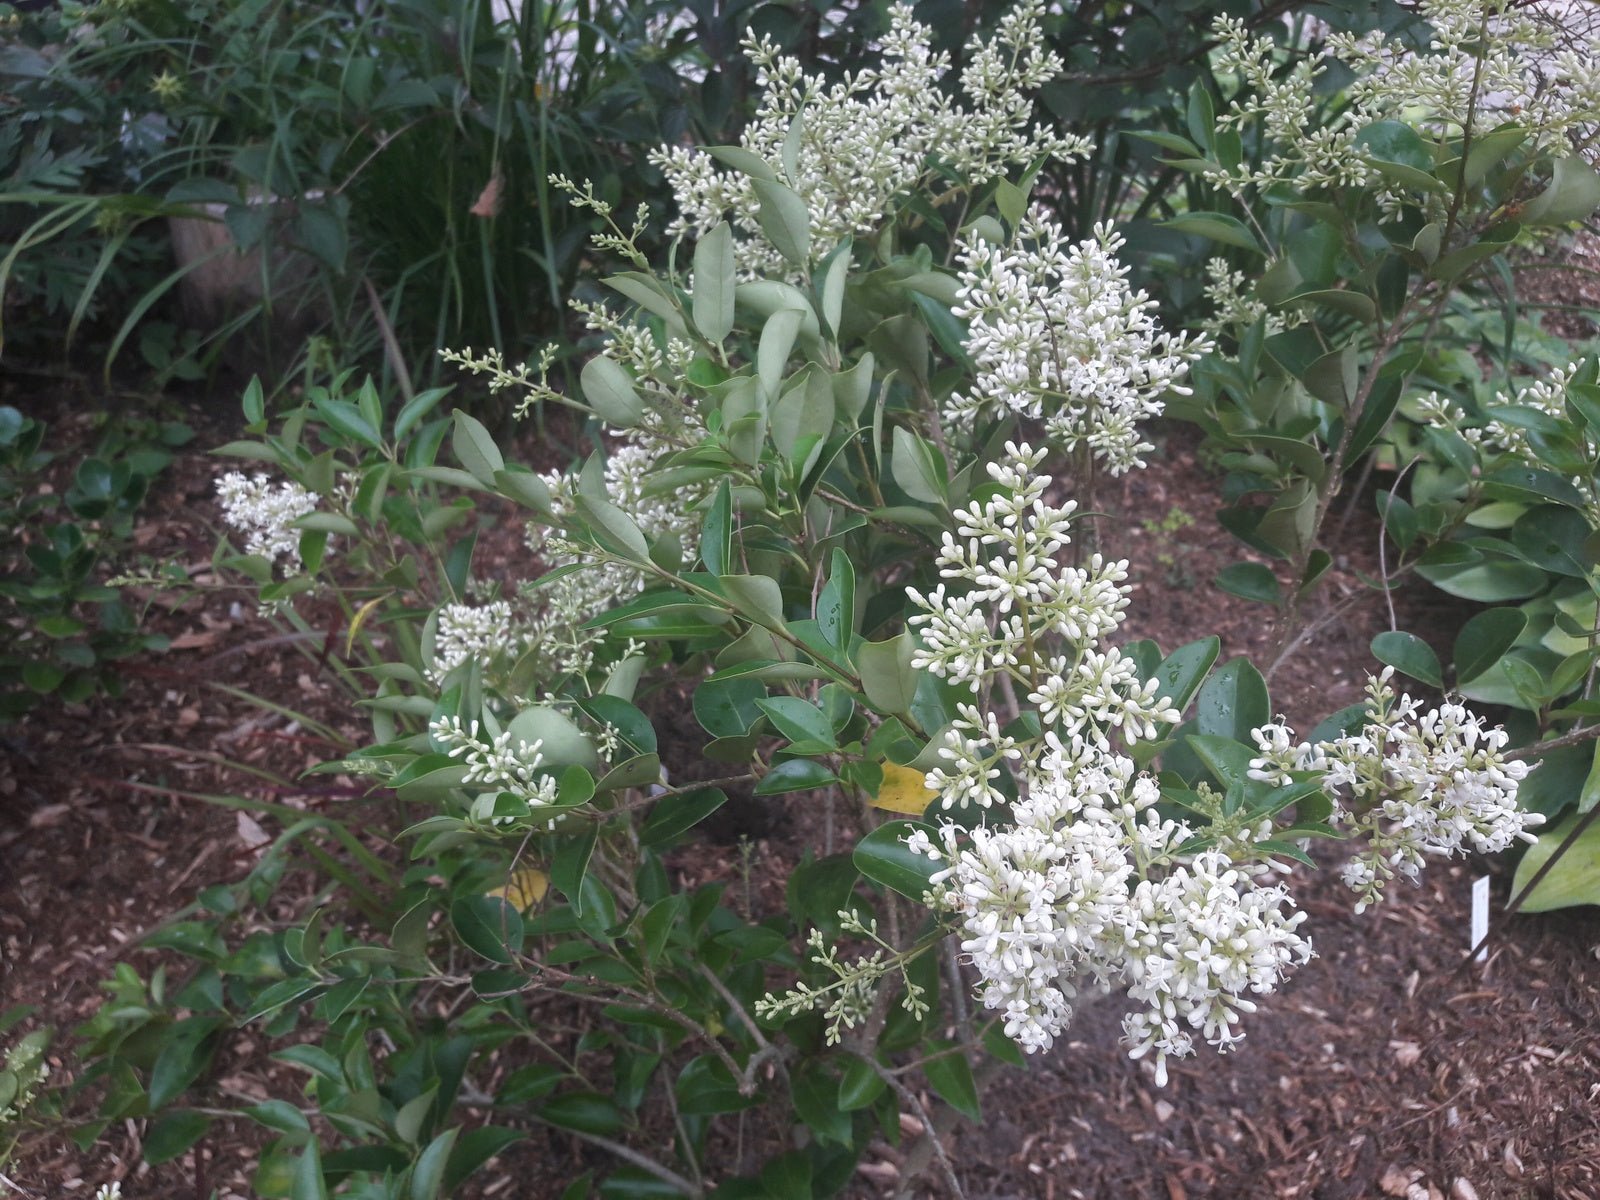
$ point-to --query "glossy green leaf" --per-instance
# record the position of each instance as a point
(1410, 655)
(860, 1085)
(1233, 702)
(488, 925)
(795, 775)
(1252, 581)
(1484, 639)
(1575, 877)
(1181, 672)
(883, 857)
(676, 815)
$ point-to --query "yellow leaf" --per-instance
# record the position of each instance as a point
(360, 619)
(525, 888)
(903, 790)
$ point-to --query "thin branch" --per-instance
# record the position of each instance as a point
(930, 1136)
(1540, 749)
(628, 1154)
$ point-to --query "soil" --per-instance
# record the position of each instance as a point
(1383, 1069)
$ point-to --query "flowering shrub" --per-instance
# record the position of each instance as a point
(817, 516)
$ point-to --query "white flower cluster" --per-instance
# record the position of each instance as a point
(571, 599)
(265, 512)
(1487, 62)
(1411, 783)
(1088, 884)
(483, 632)
(109, 1191)
(851, 149)
(1546, 396)
(1234, 309)
(1023, 617)
(494, 763)
(1057, 335)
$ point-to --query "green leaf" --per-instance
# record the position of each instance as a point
(883, 857)
(427, 1176)
(475, 449)
(185, 1054)
(914, 468)
(1410, 655)
(801, 420)
(346, 418)
(613, 528)
(836, 603)
(1484, 639)
(1573, 195)
(488, 925)
(632, 726)
(1521, 483)
(415, 409)
(815, 1093)
(1252, 581)
(795, 775)
(1396, 152)
(676, 815)
(746, 162)
(1589, 796)
(1340, 300)
(308, 1181)
(526, 488)
(1556, 538)
(1225, 758)
(1168, 141)
(1219, 227)
(1233, 702)
(950, 1075)
(783, 218)
(571, 867)
(886, 673)
(1575, 877)
(860, 1085)
(716, 533)
(798, 720)
(714, 282)
(610, 391)
(172, 1134)
(1182, 671)
(756, 597)
(772, 354)
(563, 743)
(727, 707)
(587, 1112)
(1489, 582)
(474, 1148)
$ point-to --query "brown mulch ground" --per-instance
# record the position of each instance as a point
(1378, 1071)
